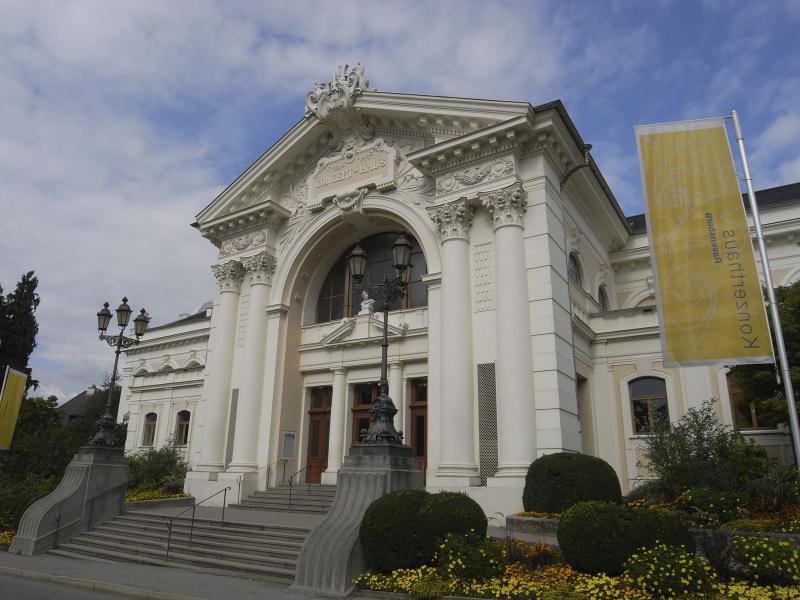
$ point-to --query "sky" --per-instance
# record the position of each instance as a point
(120, 121)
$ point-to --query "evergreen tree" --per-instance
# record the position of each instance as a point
(18, 326)
(756, 389)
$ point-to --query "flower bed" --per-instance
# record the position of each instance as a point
(148, 494)
(6, 537)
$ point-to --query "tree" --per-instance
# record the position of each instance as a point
(756, 390)
(18, 326)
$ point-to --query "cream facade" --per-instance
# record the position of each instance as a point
(528, 319)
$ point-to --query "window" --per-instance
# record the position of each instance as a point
(338, 298)
(602, 298)
(574, 270)
(182, 428)
(648, 403)
(149, 432)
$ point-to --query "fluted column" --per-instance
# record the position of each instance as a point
(259, 269)
(516, 412)
(217, 388)
(336, 431)
(457, 395)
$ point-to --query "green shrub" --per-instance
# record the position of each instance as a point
(391, 531)
(765, 559)
(665, 572)
(17, 496)
(459, 557)
(450, 512)
(428, 587)
(599, 536)
(725, 505)
(153, 469)
(700, 451)
(754, 524)
(557, 481)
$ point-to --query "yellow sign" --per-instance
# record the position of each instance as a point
(708, 293)
(10, 399)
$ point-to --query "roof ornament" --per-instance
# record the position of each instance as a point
(333, 103)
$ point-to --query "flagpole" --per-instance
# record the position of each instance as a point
(773, 305)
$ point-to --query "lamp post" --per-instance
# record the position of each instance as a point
(381, 429)
(105, 436)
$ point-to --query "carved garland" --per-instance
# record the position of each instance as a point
(242, 243)
(494, 170)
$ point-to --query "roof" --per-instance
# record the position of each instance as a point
(768, 198)
(77, 405)
(201, 313)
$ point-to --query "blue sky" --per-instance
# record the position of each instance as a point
(121, 120)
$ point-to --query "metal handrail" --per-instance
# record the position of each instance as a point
(291, 483)
(193, 507)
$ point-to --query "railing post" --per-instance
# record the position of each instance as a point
(58, 529)
(191, 525)
(290, 493)
(224, 501)
(169, 537)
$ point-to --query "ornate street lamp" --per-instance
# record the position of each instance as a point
(381, 429)
(105, 436)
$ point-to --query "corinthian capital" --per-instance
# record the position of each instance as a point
(260, 267)
(454, 219)
(229, 276)
(506, 206)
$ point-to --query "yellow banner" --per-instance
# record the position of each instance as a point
(708, 293)
(10, 399)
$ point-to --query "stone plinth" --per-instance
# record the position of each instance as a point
(92, 491)
(332, 555)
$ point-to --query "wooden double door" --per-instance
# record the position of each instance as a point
(319, 429)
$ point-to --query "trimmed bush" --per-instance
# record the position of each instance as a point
(459, 557)
(450, 512)
(391, 531)
(597, 537)
(557, 481)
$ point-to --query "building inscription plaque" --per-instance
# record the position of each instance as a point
(370, 165)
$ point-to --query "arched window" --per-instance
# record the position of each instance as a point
(338, 298)
(602, 298)
(648, 403)
(574, 270)
(149, 432)
(182, 427)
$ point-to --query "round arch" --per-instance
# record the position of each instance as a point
(300, 250)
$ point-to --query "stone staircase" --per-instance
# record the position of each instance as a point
(242, 549)
(302, 498)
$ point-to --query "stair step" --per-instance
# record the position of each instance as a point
(177, 559)
(279, 508)
(158, 549)
(210, 525)
(220, 533)
(200, 545)
(262, 541)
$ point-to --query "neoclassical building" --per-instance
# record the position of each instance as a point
(529, 324)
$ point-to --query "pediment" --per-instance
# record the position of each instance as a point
(271, 189)
(359, 329)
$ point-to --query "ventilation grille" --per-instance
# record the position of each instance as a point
(231, 426)
(487, 421)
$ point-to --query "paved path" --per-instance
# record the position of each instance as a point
(129, 580)
(19, 588)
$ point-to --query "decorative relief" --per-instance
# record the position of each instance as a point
(260, 267)
(573, 237)
(454, 219)
(229, 276)
(355, 167)
(351, 203)
(242, 243)
(333, 104)
(483, 283)
(475, 175)
(506, 206)
(244, 313)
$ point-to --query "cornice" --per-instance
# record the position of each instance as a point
(168, 342)
(488, 141)
(160, 386)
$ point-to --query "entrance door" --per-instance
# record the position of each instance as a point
(363, 396)
(319, 425)
(418, 410)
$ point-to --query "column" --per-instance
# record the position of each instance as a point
(457, 399)
(336, 430)
(397, 396)
(516, 411)
(218, 384)
(259, 268)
